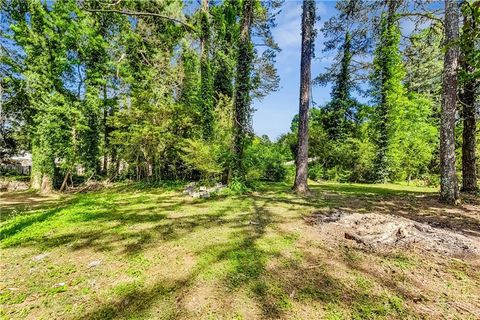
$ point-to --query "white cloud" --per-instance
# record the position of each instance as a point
(287, 32)
(321, 8)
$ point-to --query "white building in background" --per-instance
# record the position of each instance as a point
(21, 163)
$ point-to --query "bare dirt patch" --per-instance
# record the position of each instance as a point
(11, 202)
(7, 185)
(380, 230)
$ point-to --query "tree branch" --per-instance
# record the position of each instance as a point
(422, 15)
(144, 14)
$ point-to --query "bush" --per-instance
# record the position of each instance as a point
(315, 172)
(8, 172)
(274, 171)
(206, 157)
(338, 174)
(265, 161)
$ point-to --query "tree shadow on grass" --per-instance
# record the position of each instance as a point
(137, 301)
(10, 229)
(116, 224)
(246, 266)
(366, 189)
(272, 289)
(248, 261)
(13, 229)
(13, 202)
(417, 206)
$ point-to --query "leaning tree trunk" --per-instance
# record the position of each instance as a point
(469, 88)
(448, 178)
(308, 22)
(242, 93)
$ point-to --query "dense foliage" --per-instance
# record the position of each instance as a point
(393, 134)
(143, 95)
(162, 90)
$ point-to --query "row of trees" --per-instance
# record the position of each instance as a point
(136, 89)
(396, 137)
(142, 90)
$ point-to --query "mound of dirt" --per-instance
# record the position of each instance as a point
(375, 230)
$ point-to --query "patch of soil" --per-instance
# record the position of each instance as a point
(11, 202)
(13, 185)
(380, 230)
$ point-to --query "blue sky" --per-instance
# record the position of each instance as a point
(275, 112)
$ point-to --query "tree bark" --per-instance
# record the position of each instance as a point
(35, 180)
(308, 22)
(43, 168)
(35, 171)
(467, 98)
(47, 184)
(242, 92)
(65, 179)
(206, 93)
(448, 178)
(469, 170)
(106, 131)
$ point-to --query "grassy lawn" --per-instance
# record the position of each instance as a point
(152, 253)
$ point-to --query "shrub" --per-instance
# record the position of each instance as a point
(264, 160)
(316, 172)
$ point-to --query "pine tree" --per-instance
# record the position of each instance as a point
(206, 93)
(423, 64)
(308, 37)
(341, 111)
(346, 34)
(242, 91)
(470, 83)
(388, 88)
(448, 177)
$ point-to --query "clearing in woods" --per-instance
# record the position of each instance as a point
(153, 253)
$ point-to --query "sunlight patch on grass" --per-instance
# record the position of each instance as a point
(372, 189)
(164, 255)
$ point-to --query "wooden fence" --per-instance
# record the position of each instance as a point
(18, 168)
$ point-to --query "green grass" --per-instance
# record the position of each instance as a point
(375, 189)
(167, 256)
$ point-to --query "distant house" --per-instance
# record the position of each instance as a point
(21, 164)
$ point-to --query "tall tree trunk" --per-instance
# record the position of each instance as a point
(308, 22)
(469, 170)
(43, 166)
(386, 75)
(47, 184)
(106, 131)
(36, 170)
(206, 74)
(468, 97)
(448, 178)
(242, 92)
